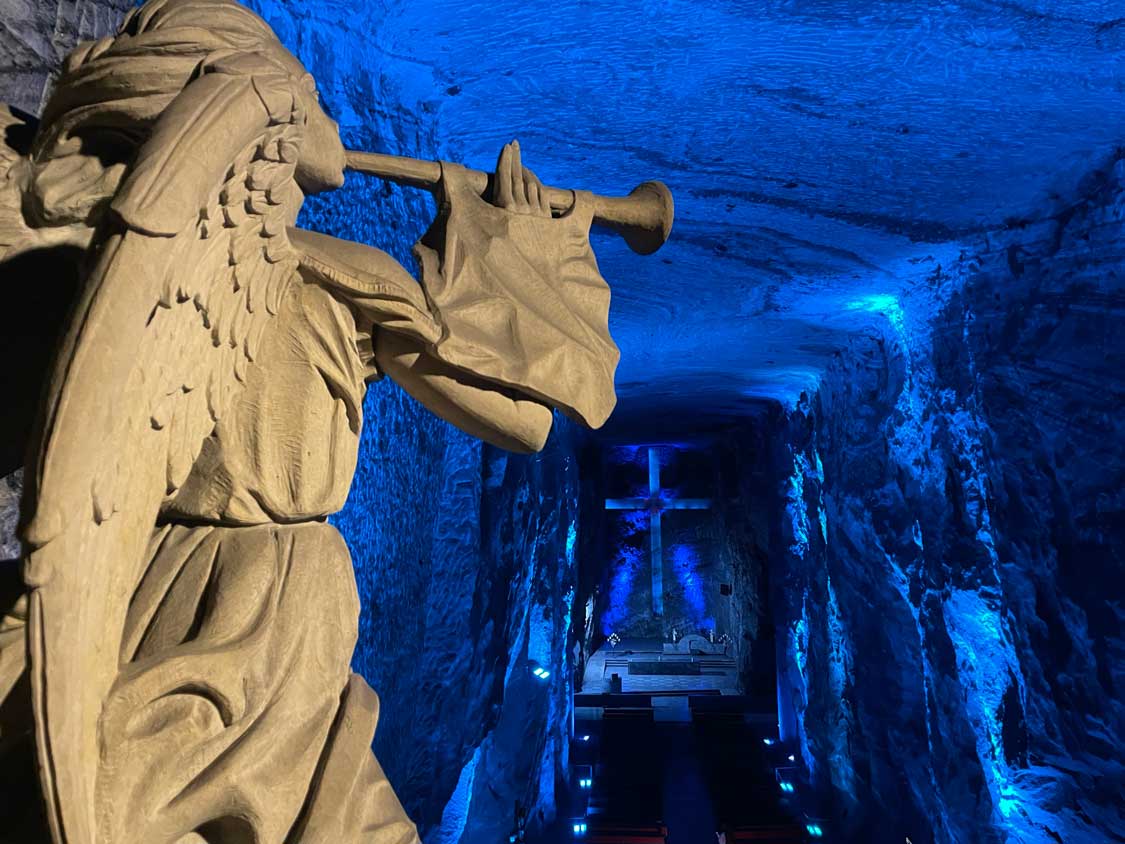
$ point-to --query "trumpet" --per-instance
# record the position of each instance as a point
(643, 218)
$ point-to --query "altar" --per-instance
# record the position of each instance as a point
(650, 666)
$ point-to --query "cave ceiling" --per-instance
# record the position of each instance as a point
(825, 155)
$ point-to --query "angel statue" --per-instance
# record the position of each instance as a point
(178, 654)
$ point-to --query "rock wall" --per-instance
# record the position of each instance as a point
(37, 35)
(464, 558)
(745, 539)
(728, 544)
(949, 596)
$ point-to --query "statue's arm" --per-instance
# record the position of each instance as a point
(484, 410)
(391, 306)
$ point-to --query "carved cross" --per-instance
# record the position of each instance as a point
(656, 504)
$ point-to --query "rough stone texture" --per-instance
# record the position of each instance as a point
(465, 561)
(11, 487)
(36, 35)
(950, 593)
(745, 538)
(814, 150)
(826, 157)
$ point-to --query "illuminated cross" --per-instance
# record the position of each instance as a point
(655, 505)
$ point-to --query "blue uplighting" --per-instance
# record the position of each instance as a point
(628, 562)
(686, 565)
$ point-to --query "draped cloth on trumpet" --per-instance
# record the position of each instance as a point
(514, 299)
(520, 299)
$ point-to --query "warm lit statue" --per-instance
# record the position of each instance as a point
(190, 615)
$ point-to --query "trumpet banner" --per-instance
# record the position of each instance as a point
(520, 300)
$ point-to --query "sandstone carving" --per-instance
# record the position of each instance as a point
(182, 645)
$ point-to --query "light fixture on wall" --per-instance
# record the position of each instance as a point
(786, 780)
(585, 776)
(539, 671)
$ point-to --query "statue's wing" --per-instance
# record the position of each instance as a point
(155, 355)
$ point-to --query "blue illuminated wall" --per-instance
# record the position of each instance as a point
(465, 563)
(693, 564)
(909, 212)
(727, 544)
(948, 596)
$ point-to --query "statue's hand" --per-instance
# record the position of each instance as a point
(517, 189)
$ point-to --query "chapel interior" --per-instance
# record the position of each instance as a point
(845, 563)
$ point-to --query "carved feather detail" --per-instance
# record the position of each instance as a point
(158, 352)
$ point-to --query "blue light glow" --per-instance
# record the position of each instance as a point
(957, 653)
(686, 565)
(814, 830)
(795, 507)
(628, 562)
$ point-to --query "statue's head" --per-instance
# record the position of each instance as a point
(108, 101)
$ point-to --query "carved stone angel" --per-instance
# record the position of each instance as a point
(189, 615)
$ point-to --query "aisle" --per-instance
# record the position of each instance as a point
(688, 811)
(666, 775)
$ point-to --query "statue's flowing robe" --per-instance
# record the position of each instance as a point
(234, 717)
